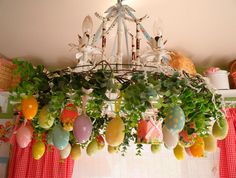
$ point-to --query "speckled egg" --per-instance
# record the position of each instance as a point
(175, 120)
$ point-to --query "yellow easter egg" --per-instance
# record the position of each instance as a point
(179, 152)
(92, 147)
(210, 143)
(38, 150)
(197, 149)
(112, 149)
(75, 152)
(115, 132)
(45, 120)
(220, 132)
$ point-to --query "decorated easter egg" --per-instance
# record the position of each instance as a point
(155, 148)
(92, 147)
(38, 150)
(29, 107)
(45, 119)
(115, 132)
(210, 143)
(185, 139)
(75, 152)
(82, 128)
(175, 119)
(197, 149)
(65, 152)
(170, 139)
(112, 149)
(179, 152)
(60, 137)
(100, 141)
(49, 138)
(24, 136)
(220, 131)
(68, 116)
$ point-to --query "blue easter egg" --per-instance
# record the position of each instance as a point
(175, 120)
(60, 137)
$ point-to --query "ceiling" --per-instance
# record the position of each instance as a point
(40, 31)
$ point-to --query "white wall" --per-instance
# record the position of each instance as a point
(161, 165)
(40, 30)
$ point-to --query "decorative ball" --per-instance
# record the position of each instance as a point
(38, 150)
(175, 120)
(155, 148)
(65, 152)
(197, 149)
(220, 132)
(75, 152)
(45, 120)
(112, 149)
(115, 132)
(68, 116)
(60, 137)
(210, 143)
(24, 136)
(170, 139)
(82, 128)
(92, 147)
(179, 152)
(29, 107)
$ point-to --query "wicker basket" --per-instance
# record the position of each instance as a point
(7, 79)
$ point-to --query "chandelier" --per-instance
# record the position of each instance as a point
(131, 96)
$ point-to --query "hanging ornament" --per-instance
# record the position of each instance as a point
(197, 149)
(38, 150)
(179, 152)
(185, 139)
(220, 131)
(65, 152)
(170, 139)
(24, 136)
(155, 148)
(210, 143)
(29, 107)
(60, 137)
(100, 141)
(92, 147)
(175, 120)
(83, 125)
(45, 119)
(68, 116)
(112, 149)
(75, 152)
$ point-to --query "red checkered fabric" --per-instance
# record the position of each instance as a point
(228, 147)
(22, 164)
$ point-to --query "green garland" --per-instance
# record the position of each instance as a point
(56, 89)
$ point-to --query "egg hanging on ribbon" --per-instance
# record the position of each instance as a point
(29, 107)
(68, 116)
(115, 132)
(24, 136)
(82, 128)
(210, 143)
(65, 152)
(170, 139)
(197, 149)
(38, 150)
(45, 119)
(60, 137)
(75, 152)
(179, 152)
(175, 120)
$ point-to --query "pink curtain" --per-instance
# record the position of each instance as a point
(22, 164)
(228, 148)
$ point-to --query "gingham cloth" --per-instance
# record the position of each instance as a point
(228, 147)
(22, 164)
